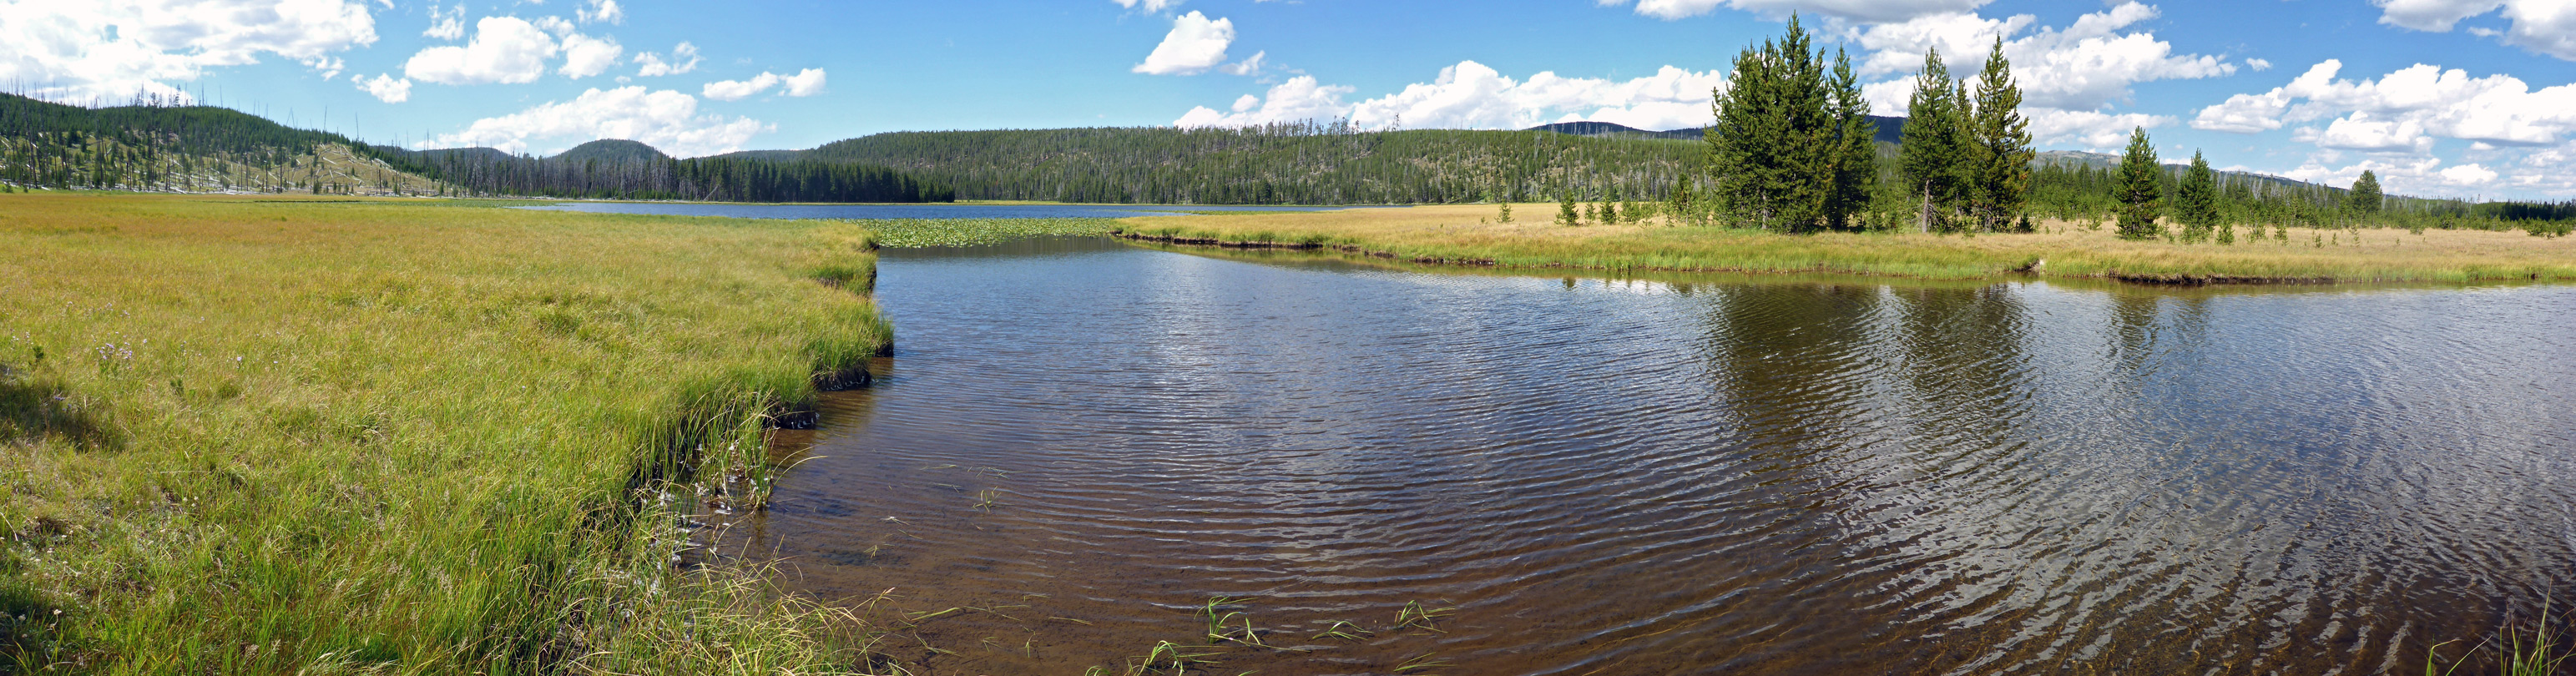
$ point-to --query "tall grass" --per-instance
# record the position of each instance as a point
(242, 436)
(1461, 234)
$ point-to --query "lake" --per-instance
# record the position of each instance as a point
(1079, 442)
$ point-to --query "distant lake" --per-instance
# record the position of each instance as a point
(882, 211)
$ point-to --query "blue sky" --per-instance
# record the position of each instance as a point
(2440, 97)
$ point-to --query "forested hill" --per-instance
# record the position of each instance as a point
(1890, 130)
(158, 145)
(1278, 164)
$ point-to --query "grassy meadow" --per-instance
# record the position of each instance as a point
(1472, 233)
(258, 436)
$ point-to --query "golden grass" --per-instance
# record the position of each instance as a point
(1468, 233)
(253, 436)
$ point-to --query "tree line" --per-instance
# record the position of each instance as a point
(719, 179)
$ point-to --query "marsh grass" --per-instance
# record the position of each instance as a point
(258, 436)
(909, 233)
(1452, 233)
(2515, 651)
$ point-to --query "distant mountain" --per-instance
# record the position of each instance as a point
(476, 154)
(610, 150)
(767, 155)
(1890, 130)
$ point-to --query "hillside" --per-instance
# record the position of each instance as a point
(188, 149)
(1282, 164)
(610, 150)
(1890, 130)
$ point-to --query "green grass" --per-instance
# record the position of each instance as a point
(908, 233)
(245, 436)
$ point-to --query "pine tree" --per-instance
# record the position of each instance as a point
(1930, 153)
(2196, 203)
(2140, 193)
(1770, 150)
(1855, 156)
(2002, 135)
(2365, 199)
(1565, 213)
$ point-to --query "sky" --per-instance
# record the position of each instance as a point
(2457, 98)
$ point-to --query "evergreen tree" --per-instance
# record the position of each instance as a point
(1855, 155)
(2002, 136)
(1770, 150)
(2196, 203)
(1680, 202)
(2365, 198)
(1565, 213)
(1931, 152)
(2140, 193)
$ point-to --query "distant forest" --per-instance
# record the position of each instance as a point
(156, 144)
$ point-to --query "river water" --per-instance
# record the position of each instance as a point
(1080, 442)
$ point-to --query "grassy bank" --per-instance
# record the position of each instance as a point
(246, 436)
(1468, 234)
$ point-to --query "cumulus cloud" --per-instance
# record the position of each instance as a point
(2068, 76)
(807, 82)
(1471, 95)
(385, 88)
(2544, 26)
(1149, 5)
(2085, 66)
(505, 49)
(1194, 45)
(684, 58)
(446, 24)
(1867, 11)
(663, 119)
(2259, 65)
(585, 56)
(736, 90)
(602, 11)
(113, 50)
(2403, 109)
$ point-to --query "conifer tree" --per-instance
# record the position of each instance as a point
(1565, 214)
(2140, 194)
(1770, 150)
(1855, 155)
(2365, 198)
(2196, 202)
(1930, 152)
(2002, 135)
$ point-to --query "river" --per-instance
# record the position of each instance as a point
(1080, 442)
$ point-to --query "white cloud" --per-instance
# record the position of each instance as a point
(807, 82)
(505, 49)
(1247, 66)
(385, 88)
(1194, 45)
(663, 119)
(1150, 5)
(448, 24)
(2259, 65)
(112, 50)
(1471, 95)
(599, 11)
(2468, 175)
(2544, 26)
(684, 58)
(585, 56)
(2404, 109)
(736, 90)
(2085, 66)
(1867, 11)
(2089, 128)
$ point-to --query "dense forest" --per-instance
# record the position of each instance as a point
(1306, 163)
(156, 144)
(586, 172)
